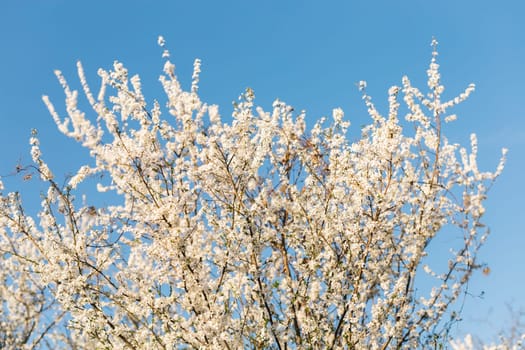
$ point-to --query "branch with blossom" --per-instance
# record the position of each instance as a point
(255, 233)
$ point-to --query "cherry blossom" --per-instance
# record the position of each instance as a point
(255, 231)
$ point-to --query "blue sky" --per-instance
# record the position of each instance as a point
(307, 53)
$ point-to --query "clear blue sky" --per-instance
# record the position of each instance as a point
(307, 53)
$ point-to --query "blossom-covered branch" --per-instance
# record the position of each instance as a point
(259, 231)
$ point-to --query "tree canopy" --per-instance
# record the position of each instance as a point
(261, 231)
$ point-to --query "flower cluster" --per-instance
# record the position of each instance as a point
(255, 233)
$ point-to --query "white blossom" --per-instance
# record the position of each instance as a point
(262, 232)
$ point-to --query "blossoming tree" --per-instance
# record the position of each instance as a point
(256, 232)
